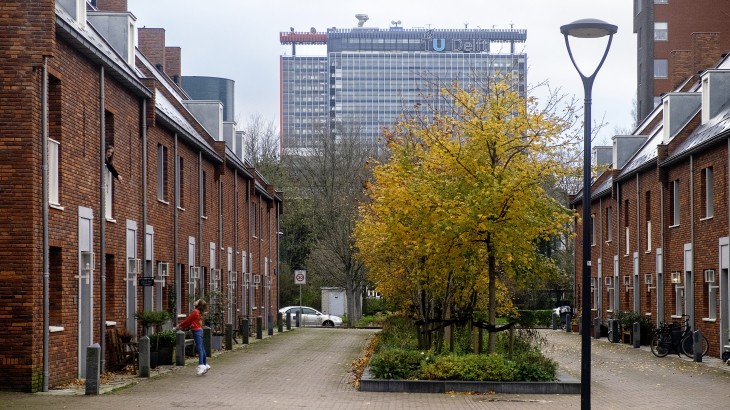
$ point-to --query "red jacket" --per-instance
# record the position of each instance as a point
(193, 321)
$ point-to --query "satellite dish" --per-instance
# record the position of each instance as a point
(361, 19)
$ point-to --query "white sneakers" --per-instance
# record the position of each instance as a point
(207, 367)
(203, 369)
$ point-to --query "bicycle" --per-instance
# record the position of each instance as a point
(670, 338)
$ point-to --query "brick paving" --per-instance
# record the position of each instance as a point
(309, 368)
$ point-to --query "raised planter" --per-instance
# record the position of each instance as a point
(566, 384)
(216, 342)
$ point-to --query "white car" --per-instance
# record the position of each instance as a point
(311, 317)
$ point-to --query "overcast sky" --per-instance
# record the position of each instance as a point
(239, 40)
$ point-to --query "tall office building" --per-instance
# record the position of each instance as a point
(667, 30)
(370, 76)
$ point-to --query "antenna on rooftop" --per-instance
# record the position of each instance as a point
(395, 23)
(466, 25)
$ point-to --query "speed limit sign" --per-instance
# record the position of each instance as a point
(300, 277)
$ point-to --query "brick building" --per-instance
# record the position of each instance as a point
(664, 31)
(661, 212)
(187, 210)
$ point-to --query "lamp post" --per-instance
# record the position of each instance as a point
(587, 28)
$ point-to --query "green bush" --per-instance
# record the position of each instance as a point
(485, 367)
(399, 332)
(400, 364)
(533, 366)
(532, 318)
(373, 306)
(166, 338)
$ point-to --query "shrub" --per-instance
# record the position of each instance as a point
(399, 332)
(166, 338)
(400, 364)
(533, 366)
(532, 318)
(485, 367)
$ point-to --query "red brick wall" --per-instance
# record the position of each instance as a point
(152, 44)
(173, 62)
(111, 5)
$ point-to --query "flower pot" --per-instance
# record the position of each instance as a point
(125, 339)
(575, 328)
(216, 342)
(165, 355)
(153, 360)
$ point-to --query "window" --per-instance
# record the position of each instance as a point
(53, 149)
(253, 220)
(609, 223)
(162, 172)
(674, 194)
(54, 139)
(594, 291)
(179, 188)
(55, 286)
(593, 230)
(108, 195)
(205, 196)
(661, 1)
(626, 224)
(661, 31)
(647, 204)
(660, 68)
(707, 192)
(712, 291)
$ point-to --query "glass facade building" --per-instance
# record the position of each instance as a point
(370, 76)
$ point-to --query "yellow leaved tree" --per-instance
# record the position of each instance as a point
(460, 203)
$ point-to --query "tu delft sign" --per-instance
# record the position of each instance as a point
(471, 45)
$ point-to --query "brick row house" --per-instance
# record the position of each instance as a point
(660, 217)
(187, 210)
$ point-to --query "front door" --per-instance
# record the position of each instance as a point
(192, 282)
(131, 278)
(86, 288)
(149, 291)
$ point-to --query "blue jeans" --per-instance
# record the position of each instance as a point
(198, 336)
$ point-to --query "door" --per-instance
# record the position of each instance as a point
(724, 293)
(636, 284)
(309, 317)
(212, 266)
(689, 306)
(149, 271)
(337, 303)
(231, 292)
(131, 279)
(659, 286)
(192, 282)
(86, 288)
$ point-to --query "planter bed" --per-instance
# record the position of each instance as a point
(566, 384)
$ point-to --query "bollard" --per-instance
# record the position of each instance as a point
(259, 327)
(279, 323)
(144, 357)
(568, 323)
(180, 348)
(637, 335)
(229, 336)
(244, 331)
(93, 363)
(207, 341)
(580, 324)
(696, 339)
(288, 321)
(270, 324)
(615, 331)
(299, 318)
(555, 321)
(597, 328)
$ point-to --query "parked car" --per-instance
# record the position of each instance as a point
(312, 317)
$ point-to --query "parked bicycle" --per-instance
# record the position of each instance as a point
(670, 338)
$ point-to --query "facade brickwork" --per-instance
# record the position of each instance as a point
(28, 31)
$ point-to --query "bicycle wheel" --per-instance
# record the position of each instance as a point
(658, 346)
(610, 336)
(688, 346)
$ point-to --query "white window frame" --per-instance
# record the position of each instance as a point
(161, 153)
(675, 202)
(109, 195)
(54, 148)
(627, 241)
(648, 236)
(661, 31)
(709, 193)
(666, 67)
(711, 280)
(593, 229)
(609, 222)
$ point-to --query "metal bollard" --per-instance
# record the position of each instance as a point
(299, 318)
(279, 323)
(597, 328)
(288, 321)
(208, 341)
(229, 336)
(270, 324)
(244, 331)
(569, 323)
(93, 363)
(259, 327)
(697, 345)
(180, 348)
(615, 331)
(144, 357)
(637, 335)
(555, 321)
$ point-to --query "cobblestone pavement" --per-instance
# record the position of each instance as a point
(309, 368)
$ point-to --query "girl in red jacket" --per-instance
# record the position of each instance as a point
(194, 322)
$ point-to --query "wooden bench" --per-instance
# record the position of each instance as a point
(122, 353)
(624, 334)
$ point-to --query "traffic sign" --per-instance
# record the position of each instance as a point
(300, 277)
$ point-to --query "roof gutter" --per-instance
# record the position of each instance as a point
(693, 150)
(185, 136)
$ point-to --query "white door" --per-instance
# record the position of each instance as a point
(212, 265)
(131, 279)
(149, 271)
(192, 283)
(86, 288)
(337, 303)
(689, 305)
(231, 292)
(724, 294)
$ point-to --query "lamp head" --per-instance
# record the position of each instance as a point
(588, 28)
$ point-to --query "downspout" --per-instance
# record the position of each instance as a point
(660, 296)
(102, 229)
(637, 289)
(278, 268)
(271, 262)
(249, 260)
(260, 239)
(44, 187)
(144, 199)
(692, 238)
(220, 231)
(619, 232)
(235, 237)
(178, 274)
(599, 274)
(200, 220)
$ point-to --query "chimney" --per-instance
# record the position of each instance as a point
(111, 5)
(680, 67)
(173, 63)
(152, 45)
(705, 49)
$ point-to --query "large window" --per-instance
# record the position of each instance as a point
(593, 230)
(179, 185)
(609, 224)
(660, 68)
(708, 192)
(253, 220)
(661, 31)
(54, 139)
(647, 204)
(162, 173)
(205, 196)
(626, 224)
(674, 194)
(53, 150)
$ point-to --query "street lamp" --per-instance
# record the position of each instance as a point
(587, 28)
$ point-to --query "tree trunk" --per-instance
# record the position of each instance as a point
(350, 295)
(492, 295)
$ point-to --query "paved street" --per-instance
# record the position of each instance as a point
(309, 368)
